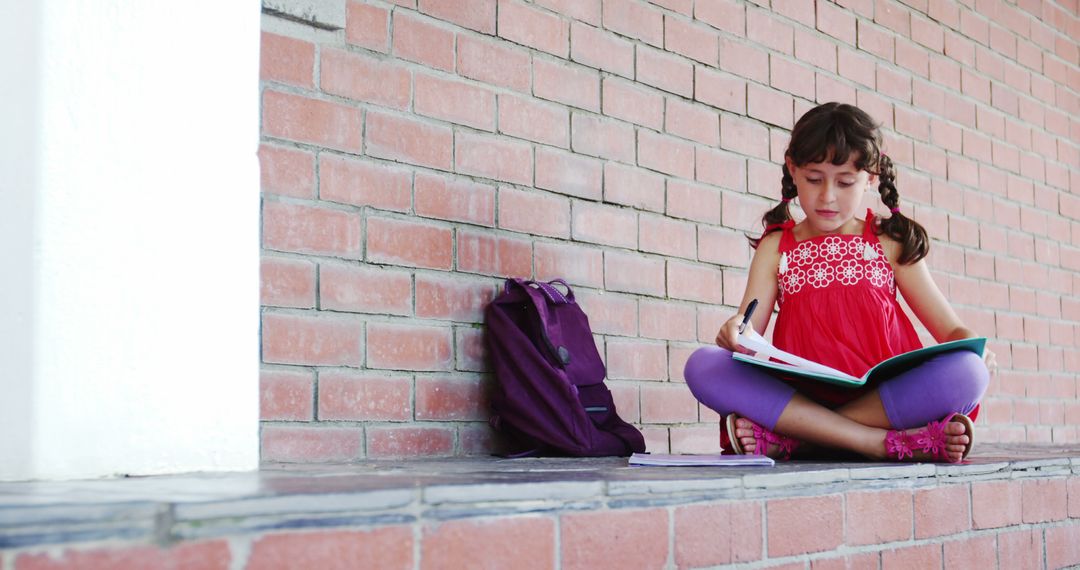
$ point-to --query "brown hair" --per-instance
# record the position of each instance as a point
(835, 132)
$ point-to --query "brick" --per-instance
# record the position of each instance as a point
(417, 39)
(310, 230)
(694, 41)
(469, 349)
(695, 439)
(569, 173)
(668, 404)
(634, 19)
(408, 140)
(664, 71)
(698, 542)
(627, 400)
(667, 237)
(744, 136)
(667, 320)
(604, 138)
(720, 168)
(802, 525)
(409, 243)
(744, 59)
(286, 171)
(836, 22)
(723, 247)
(364, 183)
(571, 85)
(363, 78)
(286, 395)
(693, 122)
(454, 101)
(694, 202)
(629, 102)
(1062, 546)
(610, 313)
(310, 444)
(694, 282)
(296, 339)
(912, 57)
(584, 10)
(494, 63)
(1020, 549)
(497, 158)
(476, 15)
(634, 274)
(636, 360)
(894, 83)
(815, 50)
(604, 224)
(386, 547)
(408, 347)
(861, 69)
(459, 300)
(307, 120)
(786, 75)
(742, 212)
(941, 511)
(769, 31)
(726, 15)
(665, 154)
(286, 283)
(620, 538)
(367, 26)
(397, 442)
(925, 556)
(878, 517)
(534, 212)
(535, 28)
(450, 399)
(767, 105)
(286, 60)
(865, 561)
(205, 555)
(633, 187)
(1044, 500)
(876, 40)
(576, 264)
(533, 120)
(350, 396)
(496, 255)
(720, 90)
(494, 542)
(594, 47)
(365, 289)
(454, 200)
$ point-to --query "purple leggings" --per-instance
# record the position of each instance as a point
(947, 383)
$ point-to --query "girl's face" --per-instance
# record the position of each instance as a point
(830, 195)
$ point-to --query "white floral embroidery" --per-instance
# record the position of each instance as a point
(793, 280)
(805, 253)
(820, 275)
(833, 248)
(877, 272)
(850, 271)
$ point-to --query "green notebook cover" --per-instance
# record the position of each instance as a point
(887, 368)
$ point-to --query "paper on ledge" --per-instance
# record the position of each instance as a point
(666, 460)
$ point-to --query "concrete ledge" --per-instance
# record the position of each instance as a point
(1002, 490)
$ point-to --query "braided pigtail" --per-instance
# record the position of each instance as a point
(779, 213)
(914, 244)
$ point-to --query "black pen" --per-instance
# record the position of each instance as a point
(746, 318)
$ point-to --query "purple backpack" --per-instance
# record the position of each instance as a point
(550, 396)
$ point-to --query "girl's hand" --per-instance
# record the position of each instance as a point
(728, 337)
(990, 360)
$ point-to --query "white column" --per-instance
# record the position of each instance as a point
(129, 227)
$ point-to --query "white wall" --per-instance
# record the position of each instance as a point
(129, 224)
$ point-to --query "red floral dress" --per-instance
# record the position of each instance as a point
(837, 297)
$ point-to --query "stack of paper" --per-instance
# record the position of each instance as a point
(659, 459)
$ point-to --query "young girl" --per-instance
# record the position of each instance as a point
(835, 278)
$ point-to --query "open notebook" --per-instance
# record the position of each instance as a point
(803, 368)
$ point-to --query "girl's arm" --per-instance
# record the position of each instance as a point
(761, 285)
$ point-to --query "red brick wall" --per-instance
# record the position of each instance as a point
(428, 149)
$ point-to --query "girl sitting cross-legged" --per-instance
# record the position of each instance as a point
(835, 279)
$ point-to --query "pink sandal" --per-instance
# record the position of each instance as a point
(930, 440)
(763, 436)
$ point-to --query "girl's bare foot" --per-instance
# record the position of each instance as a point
(748, 434)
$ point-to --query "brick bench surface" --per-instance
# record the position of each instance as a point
(1009, 508)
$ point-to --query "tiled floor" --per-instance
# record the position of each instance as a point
(201, 505)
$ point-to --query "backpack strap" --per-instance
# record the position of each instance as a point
(548, 289)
